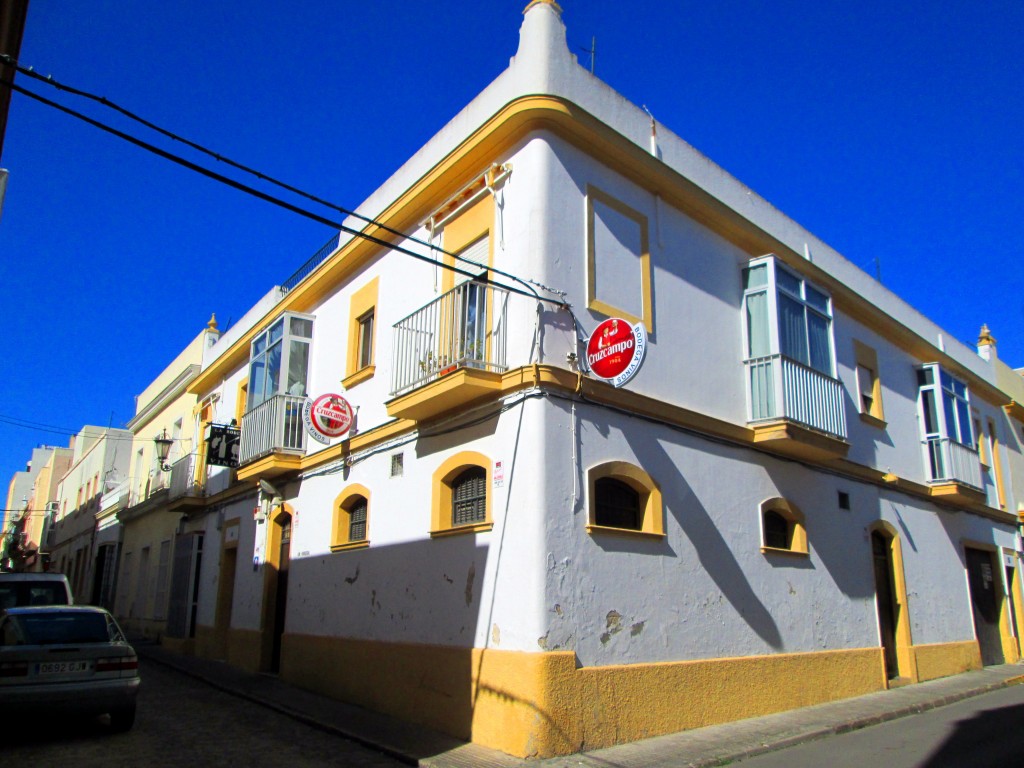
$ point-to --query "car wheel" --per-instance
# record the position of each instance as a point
(123, 719)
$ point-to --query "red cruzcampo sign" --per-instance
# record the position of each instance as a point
(326, 417)
(615, 350)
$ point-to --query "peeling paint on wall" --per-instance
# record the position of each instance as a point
(496, 635)
(613, 625)
(637, 628)
(352, 579)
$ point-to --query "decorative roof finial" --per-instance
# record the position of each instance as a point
(212, 325)
(555, 6)
(985, 338)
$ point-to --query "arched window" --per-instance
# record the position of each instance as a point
(350, 525)
(622, 497)
(461, 502)
(782, 527)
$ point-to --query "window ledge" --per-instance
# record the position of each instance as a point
(350, 545)
(592, 528)
(874, 421)
(474, 528)
(778, 551)
(359, 376)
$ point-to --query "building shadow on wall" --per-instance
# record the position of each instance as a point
(391, 628)
(700, 527)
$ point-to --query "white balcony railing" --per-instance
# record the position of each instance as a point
(950, 461)
(273, 426)
(158, 481)
(184, 482)
(463, 328)
(781, 388)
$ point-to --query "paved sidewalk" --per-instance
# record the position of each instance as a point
(711, 746)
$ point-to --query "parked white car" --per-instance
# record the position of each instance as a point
(18, 589)
(69, 659)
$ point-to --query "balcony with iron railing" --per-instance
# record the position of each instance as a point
(272, 429)
(450, 351)
(796, 408)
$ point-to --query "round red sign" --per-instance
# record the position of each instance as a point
(615, 350)
(331, 415)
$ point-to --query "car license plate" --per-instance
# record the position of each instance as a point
(62, 667)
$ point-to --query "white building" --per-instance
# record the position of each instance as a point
(799, 496)
(84, 538)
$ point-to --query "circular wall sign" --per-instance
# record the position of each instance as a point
(328, 416)
(616, 349)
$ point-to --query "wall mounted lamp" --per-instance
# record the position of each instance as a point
(163, 450)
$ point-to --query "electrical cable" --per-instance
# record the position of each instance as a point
(50, 80)
(267, 197)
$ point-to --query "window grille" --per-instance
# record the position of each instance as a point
(617, 505)
(397, 464)
(469, 497)
(777, 531)
(357, 521)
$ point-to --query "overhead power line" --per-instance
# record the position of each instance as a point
(51, 81)
(263, 195)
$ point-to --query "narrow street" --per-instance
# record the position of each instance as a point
(183, 722)
(978, 732)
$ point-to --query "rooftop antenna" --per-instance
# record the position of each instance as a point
(592, 50)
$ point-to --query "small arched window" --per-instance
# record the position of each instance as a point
(460, 501)
(622, 497)
(351, 519)
(782, 527)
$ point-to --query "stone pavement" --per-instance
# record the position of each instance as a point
(711, 746)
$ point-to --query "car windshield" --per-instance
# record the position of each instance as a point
(56, 628)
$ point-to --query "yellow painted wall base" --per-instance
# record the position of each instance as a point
(184, 646)
(945, 659)
(241, 649)
(540, 704)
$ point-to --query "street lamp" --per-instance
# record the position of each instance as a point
(163, 450)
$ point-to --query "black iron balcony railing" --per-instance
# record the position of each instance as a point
(466, 327)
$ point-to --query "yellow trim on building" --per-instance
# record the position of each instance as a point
(341, 514)
(906, 659)
(936, 660)
(468, 227)
(441, 493)
(542, 704)
(603, 305)
(866, 357)
(652, 510)
(794, 517)
(362, 303)
(500, 133)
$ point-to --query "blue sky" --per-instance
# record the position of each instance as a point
(890, 130)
